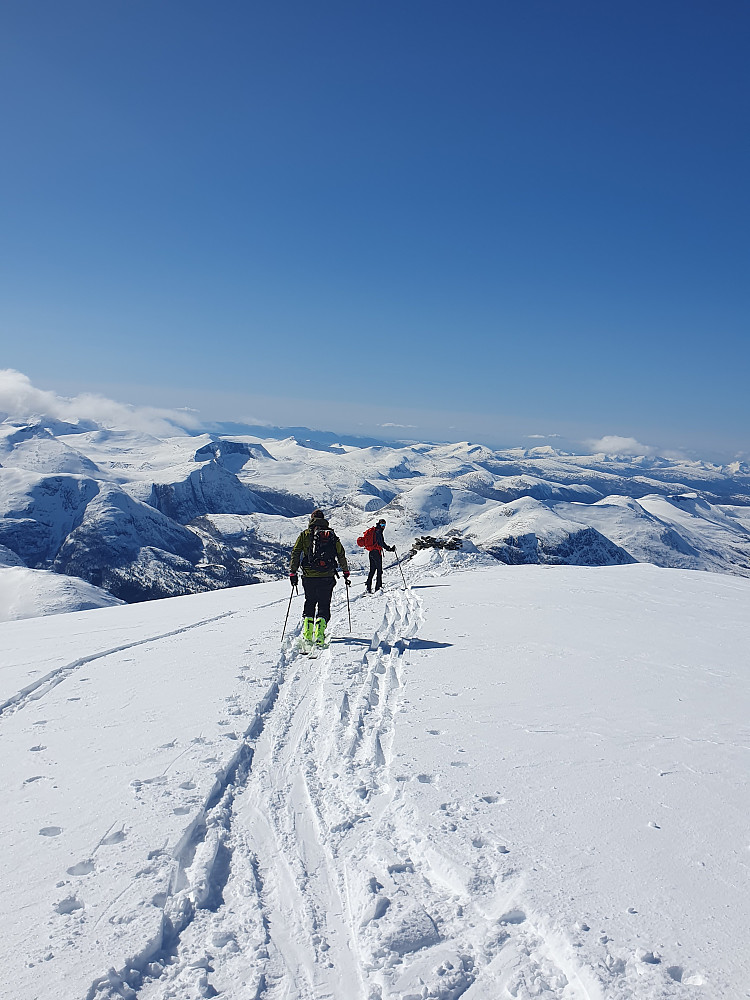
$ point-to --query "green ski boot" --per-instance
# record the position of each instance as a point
(308, 629)
(320, 632)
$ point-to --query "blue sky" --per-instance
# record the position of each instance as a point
(485, 219)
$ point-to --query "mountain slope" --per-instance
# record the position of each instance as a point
(148, 517)
(521, 781)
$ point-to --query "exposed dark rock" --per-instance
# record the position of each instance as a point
(429, 542)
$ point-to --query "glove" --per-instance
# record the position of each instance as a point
(347, 581)
(391, 548)
(294, 580)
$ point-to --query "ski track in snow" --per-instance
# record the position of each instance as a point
(307, 876)
(42, 685)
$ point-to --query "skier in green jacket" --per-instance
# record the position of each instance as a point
(318, 550)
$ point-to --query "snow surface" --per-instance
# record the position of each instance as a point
(32, 593)
(519, 782)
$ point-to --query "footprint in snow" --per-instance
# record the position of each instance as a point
(37, 749)
(114, 838)
(50, 831)
(82, 868)
(181, 810)
(425, 779)
(69, 905)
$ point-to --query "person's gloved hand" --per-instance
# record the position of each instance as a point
(294, 580)
(347, 581)
(391, 548)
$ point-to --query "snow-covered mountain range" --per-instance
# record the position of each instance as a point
(140, 517)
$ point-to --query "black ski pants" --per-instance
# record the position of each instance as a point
(318, 592)
(376, 567)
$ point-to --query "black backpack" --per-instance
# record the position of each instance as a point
(322, 556)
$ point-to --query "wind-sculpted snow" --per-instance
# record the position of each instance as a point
(36, 448)
(156, 517)
(513, 783)
(32, 593)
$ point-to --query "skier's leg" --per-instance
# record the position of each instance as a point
(308, 585)
(308, 612)
(373, 565)
(324, 608)
(324, 597)
(379, 564)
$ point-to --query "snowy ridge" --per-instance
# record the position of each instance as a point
(513, 782)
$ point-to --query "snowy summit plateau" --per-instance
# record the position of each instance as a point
(521, 773)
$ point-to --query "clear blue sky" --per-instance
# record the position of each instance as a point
(532, 212)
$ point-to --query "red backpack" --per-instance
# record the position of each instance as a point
(367, 541)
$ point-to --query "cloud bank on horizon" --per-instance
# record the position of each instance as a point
(628, 447)
(21, 400)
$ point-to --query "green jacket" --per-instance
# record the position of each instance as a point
(302, 545)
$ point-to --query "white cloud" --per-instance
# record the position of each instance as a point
(542, 437)
(625, 446)
(21, 400)
(389, 424)
(252, 421)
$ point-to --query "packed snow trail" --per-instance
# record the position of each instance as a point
(318, 771)
(319, 884)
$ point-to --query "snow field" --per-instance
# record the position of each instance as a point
(113, 759)
(34, 593)
(512, 782)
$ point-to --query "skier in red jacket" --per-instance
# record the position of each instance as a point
(375, 543)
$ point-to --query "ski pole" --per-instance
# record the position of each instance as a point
(348, 606)
(294, 591)
(400, 567)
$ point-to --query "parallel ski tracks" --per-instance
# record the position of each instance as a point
(261, 905)
(306, 876)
